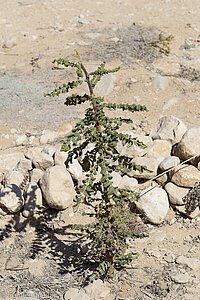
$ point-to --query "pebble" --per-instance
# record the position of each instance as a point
(169, 162)
(160, 82)
(191, 262)
(181, 278)
(170, 102)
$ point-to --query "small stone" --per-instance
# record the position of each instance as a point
(24, 165)
(11, 198)
(33, 200)
(10, 43)
(129, 182)
(181, 277)
(83, 21)
(191, 262)
(170, 258)
(98, 290)
(76, 294)
(20, 139)
(176, 193)
(9, 161)
(154, 204)
(49, 150)
(160, 82)
(169, 162)
(169, 128)
(185, 175)
(15, 177)
(43, 161)
(36, 267)
(159, 148)
(162, 180)
(60, 158)
(183, 210)
(57, 187)
(36, 174)
(32, 152)
(150, 163)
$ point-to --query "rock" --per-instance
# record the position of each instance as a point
(128, 182)
(191, 214)
(49, 150)
(49, 136)
(134, 150)
(20, 139)
(150, 163)
(15, 177)
(191, 262)
(43, 161)
(105, 86)
(162, 180)
(60, 158)
(185, 175)
(159, 148)
(36, 267)
(57, 187)
(1, 177)
(98, 291)
(9, 161)
(169, 128)
(36, 174)
(76, 294)
(33, 200)
(10, 43)
(181, 277)
(24, 165)
(11, 198)
(189, 145)
(160, 82)
(169, 162)
(170, 102)
(175, 193)
(32, 152)
(154, 204)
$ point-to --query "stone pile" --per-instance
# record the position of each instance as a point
(40, 178)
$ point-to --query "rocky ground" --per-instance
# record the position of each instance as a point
(35, 253)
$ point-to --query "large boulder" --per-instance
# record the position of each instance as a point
(154, 204)
(169, 128)
(189, 145)
(57, 187)
(176, 193)
(159, 148)
(11, 198)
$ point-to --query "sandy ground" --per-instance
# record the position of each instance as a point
(33, 33)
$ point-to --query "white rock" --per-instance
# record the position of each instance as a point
(191, 262)
(183, 210)
(169, 128)
(60, 158)
(159, 148)
(134, 150)
(169, 162)
(15, 177)
(128, 182)
(162, 180)
(10, 43)
(24, 165)
(75, 170)
(105, 86)
(49, 150)
(32, 152)
(154, 204)
(9, 161)
(57, 187)
(11, 198)
(20, 139)
(150, 163)
(175, 193)
(36, 174)
(33, 200)
(189, 145)
(98, 290)
(160, 82)
(76, 294)
(43, 161)
(181, 277)
(185, 175)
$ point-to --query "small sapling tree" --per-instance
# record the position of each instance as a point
(109, 233)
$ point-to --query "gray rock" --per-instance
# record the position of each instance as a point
(175, 193)
(24, 165)
(20, 139)
(9, 161)
(169, 162)
(154, 204)
(60, 158)
(159, 148)
(160, 82)
(43, 161)
(32, 152)
(169, 128)
(57, 187)
(33, 200)
(15, 177)
(181, 277)
(150, 163)
(36, 174)
(11, 198)
(189, 145)
(191, 262)
(185, 175)
(162, 180)
(134, 150)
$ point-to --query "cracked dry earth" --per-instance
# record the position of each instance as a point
(35, 253)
